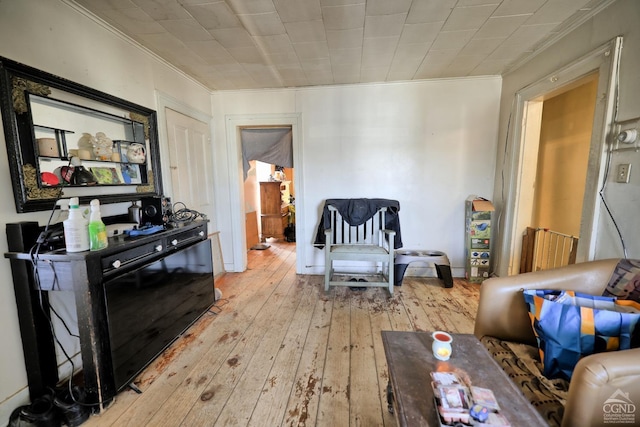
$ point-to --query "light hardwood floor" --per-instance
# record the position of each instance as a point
(281, 352)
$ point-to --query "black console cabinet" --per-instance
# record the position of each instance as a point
(132, 300)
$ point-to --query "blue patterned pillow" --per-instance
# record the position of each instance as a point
(625, 281)
(569, 325)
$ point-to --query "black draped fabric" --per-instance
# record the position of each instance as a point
(268, 145)
(357, 212)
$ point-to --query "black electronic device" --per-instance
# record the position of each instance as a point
(51, 238)
(155, 210)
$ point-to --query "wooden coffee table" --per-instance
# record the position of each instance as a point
(410, 362)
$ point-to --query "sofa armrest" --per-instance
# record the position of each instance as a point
(502, 312)
(595, 379)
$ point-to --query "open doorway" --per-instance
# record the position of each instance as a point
(266, 152)
(234, 125)
(559, 164)
(523, 151)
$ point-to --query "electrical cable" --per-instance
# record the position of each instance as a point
(218, 307)
(185, 214)
(34, 253)
(605, 178)
(504, 160)
(36, 279)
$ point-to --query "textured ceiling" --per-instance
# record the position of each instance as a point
(244, 44)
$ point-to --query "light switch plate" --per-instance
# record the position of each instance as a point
(622, 174)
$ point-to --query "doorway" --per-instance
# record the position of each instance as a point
(234, 124)
(523, 150)
(559, 166)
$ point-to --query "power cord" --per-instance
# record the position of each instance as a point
(502, 179)
(608, 163)
(185, 214)
(215, 305)
(34, 253)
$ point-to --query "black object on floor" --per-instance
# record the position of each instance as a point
(443, 271)
(290, 233)
(73, 413)
(41, 413)
(357, 288)
(405, 257)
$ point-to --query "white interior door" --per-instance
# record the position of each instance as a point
(190, 162)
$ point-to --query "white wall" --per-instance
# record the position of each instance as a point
(619, 19)
(427, 144)
(54, 37)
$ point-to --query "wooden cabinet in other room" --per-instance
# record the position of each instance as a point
(274, 208)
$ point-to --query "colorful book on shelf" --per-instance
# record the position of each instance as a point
(106, 175)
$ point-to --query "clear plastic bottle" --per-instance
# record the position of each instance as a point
(76, 231)
(63, 213)
(97, 230)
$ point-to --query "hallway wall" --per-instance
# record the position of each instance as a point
(565, 139)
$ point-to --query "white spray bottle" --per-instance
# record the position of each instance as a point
(76, 228)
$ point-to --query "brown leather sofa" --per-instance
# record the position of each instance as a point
(502, 314)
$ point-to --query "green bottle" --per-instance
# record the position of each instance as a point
(97, 230)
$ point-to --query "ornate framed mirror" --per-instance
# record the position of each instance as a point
(66, 140)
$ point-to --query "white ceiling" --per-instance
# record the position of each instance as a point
(243, 44)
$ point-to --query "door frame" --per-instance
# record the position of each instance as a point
(234, 149)
(523, 144)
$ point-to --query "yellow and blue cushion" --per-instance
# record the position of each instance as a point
(570, 325)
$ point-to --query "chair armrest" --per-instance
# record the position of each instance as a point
(502, 312)
(389, 232)
(595, 379)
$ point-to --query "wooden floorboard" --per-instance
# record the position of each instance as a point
(273, 398)
(365, 408)
(302, 406)
(279, 351)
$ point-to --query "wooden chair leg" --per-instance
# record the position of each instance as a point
(327, 264)
(390, 268)
(327, 277)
